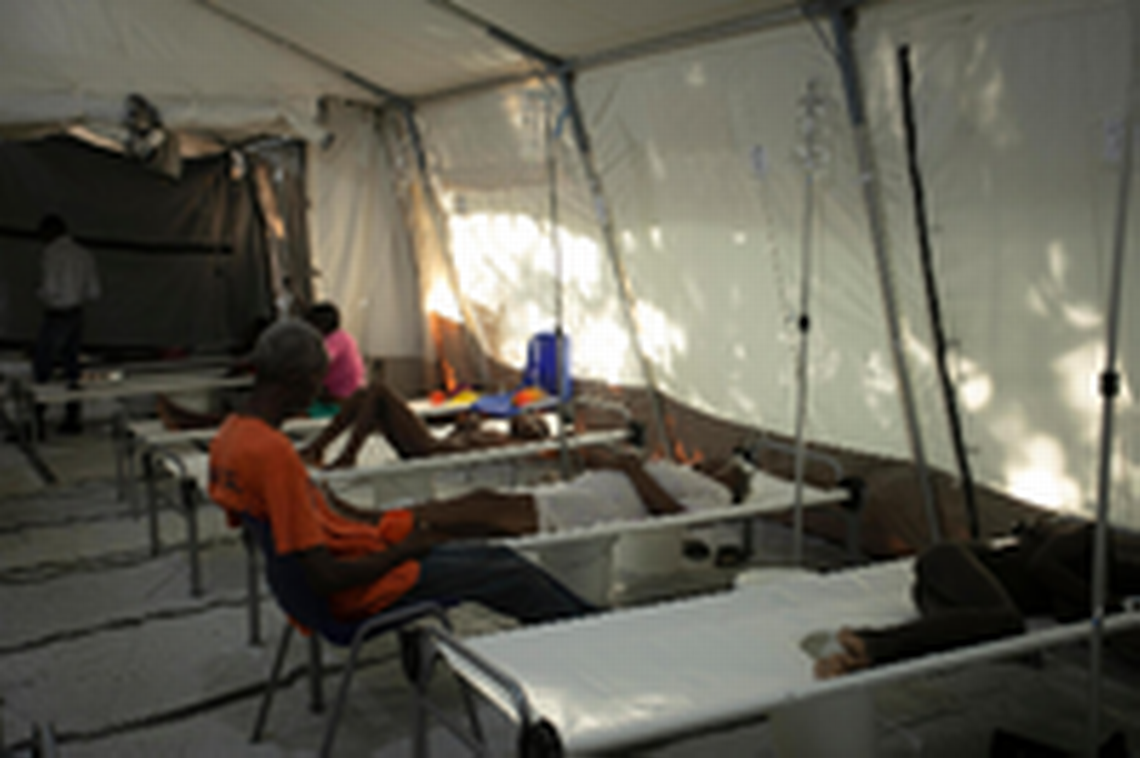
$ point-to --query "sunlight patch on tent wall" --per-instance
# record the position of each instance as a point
(441, 301)
(975, 386)
(1035, 475)
(507, 267)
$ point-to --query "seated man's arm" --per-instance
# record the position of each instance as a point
(350, 511)
(328, 574)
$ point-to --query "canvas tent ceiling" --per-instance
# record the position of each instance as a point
(416, 48)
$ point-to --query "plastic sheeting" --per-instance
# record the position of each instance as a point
(182, 264)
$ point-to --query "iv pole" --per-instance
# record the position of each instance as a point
(811, 105)
(551, 133)
(1109, 389)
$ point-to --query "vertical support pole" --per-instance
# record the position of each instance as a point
(812, 106)
(1109, 389)
(550, 137)
(841, 26)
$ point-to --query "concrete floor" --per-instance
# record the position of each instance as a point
(102, 643)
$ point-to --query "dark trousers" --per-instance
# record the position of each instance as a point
(61, 333)
(497, 578)
(966, 594)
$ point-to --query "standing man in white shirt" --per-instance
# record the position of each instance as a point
(69, 280)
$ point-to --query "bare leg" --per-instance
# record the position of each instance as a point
(482, 513)
(383, 410)
(380, 409)
(350, 408)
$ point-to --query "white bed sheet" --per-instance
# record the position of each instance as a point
(633, 676)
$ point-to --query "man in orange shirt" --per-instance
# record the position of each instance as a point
(362, 561)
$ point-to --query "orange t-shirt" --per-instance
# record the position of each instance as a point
(254, 469)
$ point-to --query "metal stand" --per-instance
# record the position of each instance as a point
(1109, 389)
(811, 111)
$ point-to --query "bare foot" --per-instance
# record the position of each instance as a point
(852, 658)
(528, 426)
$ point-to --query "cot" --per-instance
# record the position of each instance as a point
(641, 677)
(584, 557)
(116, 387)
(188, 466)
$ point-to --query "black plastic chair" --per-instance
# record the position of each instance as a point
(289, 586)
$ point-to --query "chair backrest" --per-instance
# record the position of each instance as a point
(290, 587)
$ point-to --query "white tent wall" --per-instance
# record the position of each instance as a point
(701, 152)
(1019, 108)
(361, 247)
(698, 151)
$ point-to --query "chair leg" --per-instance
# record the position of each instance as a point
(253, 587)
(316, 675)
(333, 719)
(271, 685)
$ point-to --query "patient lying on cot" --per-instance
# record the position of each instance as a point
(379, 409)
(615, 486)
(975, 592)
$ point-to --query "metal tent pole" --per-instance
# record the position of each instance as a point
(811, 105)
(550, 136)
(1109, 389)
(840, 20)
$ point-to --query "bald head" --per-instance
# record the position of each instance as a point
(288, 350)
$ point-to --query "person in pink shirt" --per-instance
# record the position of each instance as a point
(345, 374)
